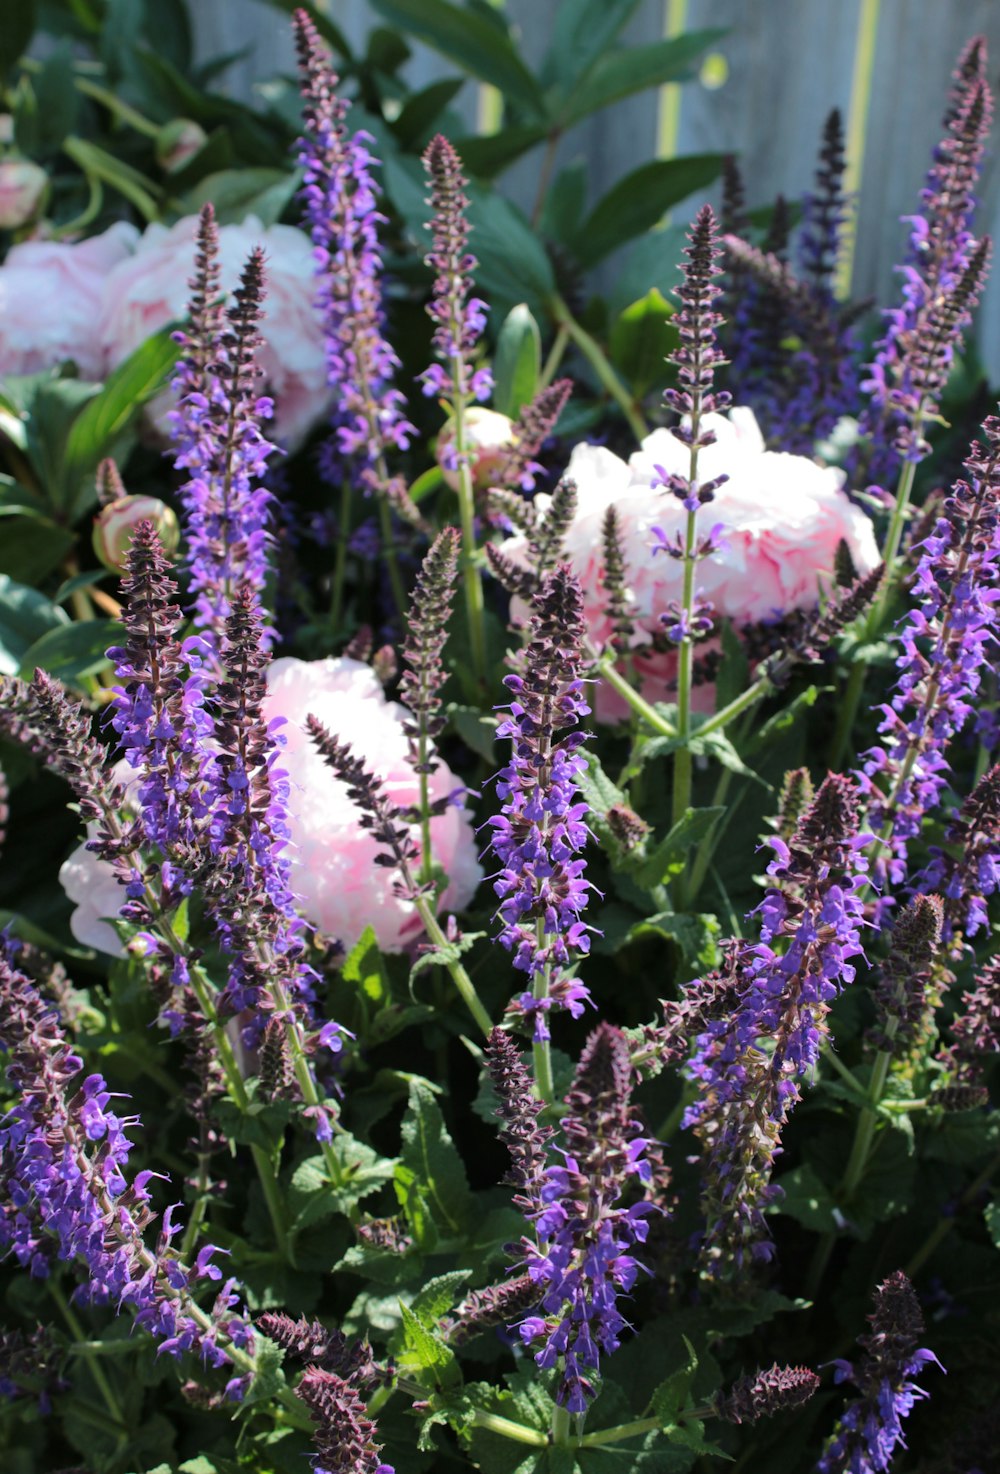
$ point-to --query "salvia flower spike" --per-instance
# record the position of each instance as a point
(459, 318)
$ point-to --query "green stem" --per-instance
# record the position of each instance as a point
(119, 109)
(517, 1432)
(93, 1365)
(466, 987)
(560, 1425)
(555, 358)
(598, 361)
(736, 708)
(389, 546)
(541, 1049)
(545, 173)
(340, 562)
(605, 668)
(472, 583)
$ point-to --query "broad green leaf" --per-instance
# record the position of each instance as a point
(31, 545)
(597, 788)
(642, 339)
(109, 413)
(620, 73)
(477, 45)
(53, 403)
(673, 1393)
(583, 31)
(513, 265)
(669, 857)
(518, 361)
(640, 200)
(564, 204)
(237, 193)
(365, 969)
(478, 730)
(17, 26)
(422, 109)
(429, 481)
(72, 651)
(807, 1199)
(312, 1196)
(25, 616)
(429, 1153)
(487, 154)
(423, 1355)
(97, 163)
(438, 1296)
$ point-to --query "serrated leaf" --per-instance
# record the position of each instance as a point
(312, 1196)
(430, 1155)
(268, 1377)
(517, 363)
(423, 1355)
(672, 1394)
(438, 1296)
(365, 970)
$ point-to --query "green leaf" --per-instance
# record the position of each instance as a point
(639, 201)
(669, 857)
(991, 1214)
(807, 1199)
(564, 204)
(268, 1376)
(488, 154)
(734, 673)
(642, 339)
(513, 264)
(619, 73)
(109, 413)
(429, 481)
(476, 44)
(583, 31)
(671, 1396)
(430, 1155)
(783, 719)
(365, 969)
(53, 403)
(311, 1194)
(422, 109)
(17, 26)
(73, 651)
(25, 616)
(31, 545)
(518, 361)
(438, 1296)
(424, 1355)
(478, 730)
(96, 163)
(236, 193)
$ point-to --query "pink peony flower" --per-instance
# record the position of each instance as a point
(50, 301)
(334, 874)
(151, 289)
(780, 519)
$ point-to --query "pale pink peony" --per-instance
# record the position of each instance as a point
(50, 301)
(152, 288)
(340, 887)
(781, 518)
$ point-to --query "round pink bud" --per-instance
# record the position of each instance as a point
(22, 187)
(177, 142)
(115, 524)
(488, 437)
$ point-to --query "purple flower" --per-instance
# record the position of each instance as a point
(870, 1428)
(217, 430)
(459, 318)
(542, 826)
(63, 1165)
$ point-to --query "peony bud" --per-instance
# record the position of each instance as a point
(177, 142)
(22, 187)
(488, 438)
(115, 524)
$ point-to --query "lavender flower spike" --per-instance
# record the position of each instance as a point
(63, 1157)
(541, 830)
(870, 1429)
(220, 443)
(459, 319)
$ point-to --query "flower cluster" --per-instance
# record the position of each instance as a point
(810, 926)
(219, 439)
(871, 1427)
(539, 833)
(341, 207)
(63, 1160)
(581, 1260)
(458, 319)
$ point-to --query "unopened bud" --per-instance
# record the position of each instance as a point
(115, 524)
(178, 141)
(489, 437)
(22, 188)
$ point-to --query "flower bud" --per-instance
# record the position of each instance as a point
(488, 438)
(115, 524)
(178, 141)
(22, 187)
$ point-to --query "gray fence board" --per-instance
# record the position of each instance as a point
(790, 62)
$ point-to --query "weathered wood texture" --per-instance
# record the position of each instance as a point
(789, 63)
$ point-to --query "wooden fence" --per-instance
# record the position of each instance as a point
(784, 64)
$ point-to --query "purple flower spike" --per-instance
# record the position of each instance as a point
(65, 1193)
(542, 827)
(341, 207)
(459, 318)
(871, 1428)
(220, 442)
